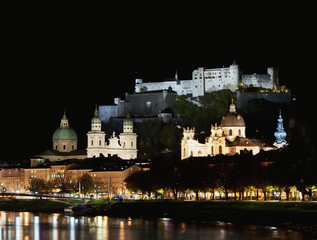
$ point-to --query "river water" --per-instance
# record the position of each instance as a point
(27, 226)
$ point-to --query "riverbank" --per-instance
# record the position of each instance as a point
(32, 205)
(300, 216)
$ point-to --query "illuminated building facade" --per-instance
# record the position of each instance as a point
(124, 146)
(211, 80)
(229, 138)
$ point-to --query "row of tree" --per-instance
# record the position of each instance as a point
(279, 170)
(85, 183)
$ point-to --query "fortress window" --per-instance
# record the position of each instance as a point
(99, 142)
(64, 147)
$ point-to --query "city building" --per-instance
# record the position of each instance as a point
(108, 175)
(229, 138)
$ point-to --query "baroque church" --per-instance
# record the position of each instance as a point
(124, 145)
(65, 142)
(229, 139)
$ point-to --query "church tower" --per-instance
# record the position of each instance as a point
(128, 139)
(95, 138)
(280, 134)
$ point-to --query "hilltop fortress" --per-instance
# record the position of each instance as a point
(213, 79)
(157, 99)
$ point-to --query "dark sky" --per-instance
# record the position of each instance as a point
(70, 60)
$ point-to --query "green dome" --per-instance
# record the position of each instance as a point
(127, 120)
(96, 119)
(65, 134)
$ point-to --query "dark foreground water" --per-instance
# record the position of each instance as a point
(27, 226)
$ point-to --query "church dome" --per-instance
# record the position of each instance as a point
(64, 132)
(128, 121)
(233, 119)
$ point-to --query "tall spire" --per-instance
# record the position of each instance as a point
(280, 134)
(96, 121)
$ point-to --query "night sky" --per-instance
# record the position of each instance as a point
(71, 60)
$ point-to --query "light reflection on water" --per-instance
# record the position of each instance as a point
(28, 226)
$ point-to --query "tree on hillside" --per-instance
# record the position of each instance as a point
(157, 136)
(201, 112)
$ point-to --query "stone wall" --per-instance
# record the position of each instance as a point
(277, 97)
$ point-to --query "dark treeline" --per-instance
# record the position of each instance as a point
(239, 175)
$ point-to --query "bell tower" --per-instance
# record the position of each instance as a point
(280, 134)
(95, 138)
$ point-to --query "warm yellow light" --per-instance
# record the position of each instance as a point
(160, 191)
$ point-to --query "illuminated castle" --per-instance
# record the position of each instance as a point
(211, 80)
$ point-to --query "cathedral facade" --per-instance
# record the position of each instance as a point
(229, 139)
(124, 145)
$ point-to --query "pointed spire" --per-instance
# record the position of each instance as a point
(96, 119)
(96, 114)
(64, 116)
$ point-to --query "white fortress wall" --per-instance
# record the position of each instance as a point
(211, 80)
(185, 87)
(182, 87)
(155, 86)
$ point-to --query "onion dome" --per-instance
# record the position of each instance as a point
(233, 119)
(127, 121)
(96, 119)
(64, 132)
(280, 134)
